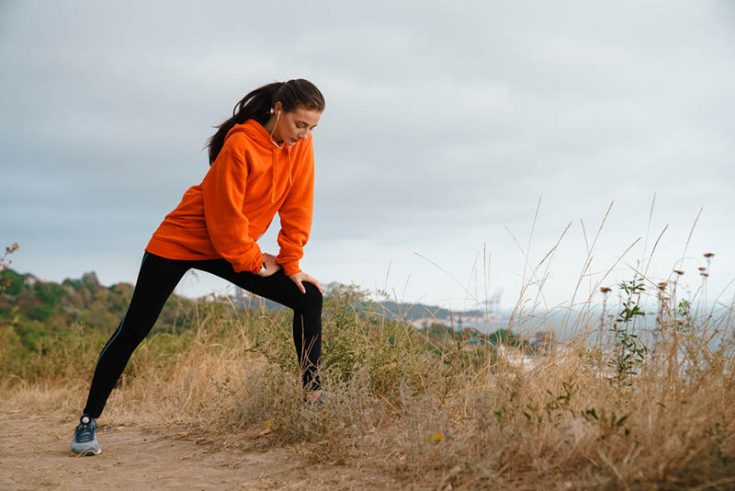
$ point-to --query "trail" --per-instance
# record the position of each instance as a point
(34, 454)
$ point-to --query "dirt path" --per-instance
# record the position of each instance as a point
(34, 454)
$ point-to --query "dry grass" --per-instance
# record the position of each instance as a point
(438, 416)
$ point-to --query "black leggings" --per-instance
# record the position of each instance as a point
(156, 281)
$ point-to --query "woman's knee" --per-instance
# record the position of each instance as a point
(311, 300)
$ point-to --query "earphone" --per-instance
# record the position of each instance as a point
(278, 114)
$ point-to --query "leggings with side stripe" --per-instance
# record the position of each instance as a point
(156, 281)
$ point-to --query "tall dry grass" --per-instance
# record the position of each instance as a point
(614, 407)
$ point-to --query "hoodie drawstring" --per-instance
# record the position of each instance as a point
(273, 175)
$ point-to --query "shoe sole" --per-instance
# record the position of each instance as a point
(88, 453)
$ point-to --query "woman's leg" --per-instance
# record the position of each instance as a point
(156, 281)
(307, 310)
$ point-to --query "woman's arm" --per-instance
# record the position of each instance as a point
(223, 189)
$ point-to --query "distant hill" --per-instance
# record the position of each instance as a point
(32, 308)
(390, 309)
(413, 311)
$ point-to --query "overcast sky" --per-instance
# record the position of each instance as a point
(446, 123)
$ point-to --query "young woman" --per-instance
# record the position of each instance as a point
(261, 163)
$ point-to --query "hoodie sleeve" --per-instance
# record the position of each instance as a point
(223, 190)
(295, 215)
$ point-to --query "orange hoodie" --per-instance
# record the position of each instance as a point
(250, 180)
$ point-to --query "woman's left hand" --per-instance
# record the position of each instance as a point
(301, 277)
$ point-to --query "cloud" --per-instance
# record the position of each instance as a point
(444, 122)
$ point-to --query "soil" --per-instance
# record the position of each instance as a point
(34, 454)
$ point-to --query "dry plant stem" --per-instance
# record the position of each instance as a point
(550, 256)
(532, 281)
(689, 237)
(525, 283)
(451, 276)
(587, 263)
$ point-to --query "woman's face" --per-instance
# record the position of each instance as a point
(296, 125)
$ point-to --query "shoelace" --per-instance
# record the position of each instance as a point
(84, 433)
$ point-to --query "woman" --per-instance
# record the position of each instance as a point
(261, 162)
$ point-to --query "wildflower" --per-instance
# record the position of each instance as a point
(605, 290)
(265, 427)
(702, 269)
(435, 438)
(679, 272)
(709, 255)
(662, 285)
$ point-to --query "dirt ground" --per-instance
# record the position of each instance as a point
(34, 454)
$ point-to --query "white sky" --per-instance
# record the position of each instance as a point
(446, 122)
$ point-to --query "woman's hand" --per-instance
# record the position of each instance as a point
(271, 266)
(301, 277)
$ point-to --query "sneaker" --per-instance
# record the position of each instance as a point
(84, 441)
(319, 401)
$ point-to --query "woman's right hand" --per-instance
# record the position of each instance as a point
(271, 266)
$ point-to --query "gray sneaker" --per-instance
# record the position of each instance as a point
(84, 441)
(319, 401)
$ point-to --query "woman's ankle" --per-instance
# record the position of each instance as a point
(312, 395)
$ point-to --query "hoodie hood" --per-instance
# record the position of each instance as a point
(281, 155)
